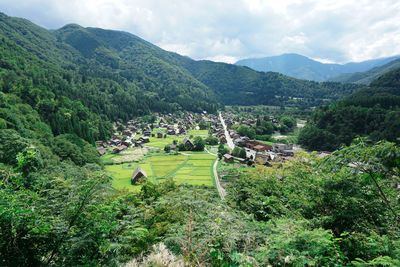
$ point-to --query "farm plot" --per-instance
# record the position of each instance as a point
(162, 142)
(198, 132)
(193, 169)
(164, 165)
(196, 171)
(122, 174)
(129, 155)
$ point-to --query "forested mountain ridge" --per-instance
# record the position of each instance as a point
(373, 111)
(368, 76)
(57, 79)
(230, 84)
(114, 75)
(236, 85)
(303, 67)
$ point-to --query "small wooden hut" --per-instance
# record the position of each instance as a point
(137, 175)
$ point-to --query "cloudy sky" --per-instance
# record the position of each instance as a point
(228, 30)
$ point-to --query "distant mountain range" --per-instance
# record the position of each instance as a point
(302, 67)
(368, 76)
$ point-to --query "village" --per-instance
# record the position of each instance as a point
(170, 136)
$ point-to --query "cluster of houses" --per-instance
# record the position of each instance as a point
(174, 124)
(256, 151)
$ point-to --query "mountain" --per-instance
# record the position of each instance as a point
(371, 112)
(79, 80)
(302, 67)
(366, 77)
(236, 85)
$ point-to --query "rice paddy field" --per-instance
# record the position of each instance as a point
(162, 142)
(183, 169)
(198, 132)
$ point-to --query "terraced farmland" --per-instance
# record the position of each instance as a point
(184, 169)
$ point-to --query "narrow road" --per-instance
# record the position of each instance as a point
(227, 136)
(221, 191)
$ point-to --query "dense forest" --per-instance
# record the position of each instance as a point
(367, 77)
(372, 111)
(336, 211)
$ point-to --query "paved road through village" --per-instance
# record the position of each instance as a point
(227, 136)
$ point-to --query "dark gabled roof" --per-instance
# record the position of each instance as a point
(137, 171)
(187, 140)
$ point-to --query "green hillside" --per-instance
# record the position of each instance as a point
(236, 85)
(372, 111)
(368, 76)
(80, 79)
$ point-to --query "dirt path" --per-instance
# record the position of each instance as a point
(221, 191)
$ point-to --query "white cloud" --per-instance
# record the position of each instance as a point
(226, 30)
(223, 58)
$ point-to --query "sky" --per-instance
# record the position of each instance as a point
(228, 30)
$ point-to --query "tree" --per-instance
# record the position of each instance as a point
(167, 149)
(242, 153)
(11, 143)
(181, 147)
(210, 140)
(199, 143)
(236, 151)
(379, 162)
(289, 122)
(202, 124)
(245, 130)
(222, 150)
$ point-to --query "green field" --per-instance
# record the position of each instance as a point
(162, 142)
(122, 174)
(198, 132)
(162, 130)
(194, 152)
(130, 155)
(193, 169)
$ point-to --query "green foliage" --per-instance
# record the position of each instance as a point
(264, 127)
(372, 111)
(60, 91)
(287, 124)
(11, 143)
(368, 76)
(350, 194)
(235, 85)
(167, 149)
(222, 150)
(66, 218)
(242, 153)
(199, 143)
(291, 243)
(210, 140)
(71, 147)
(246, 130)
